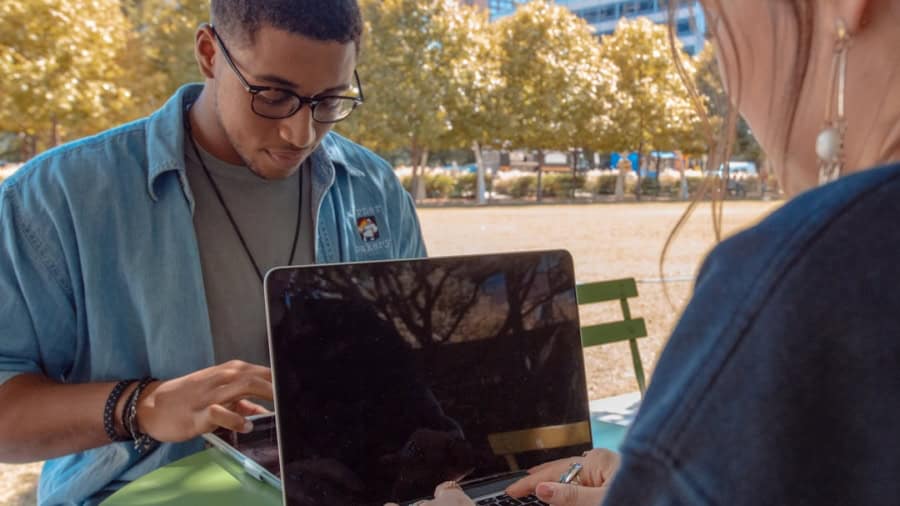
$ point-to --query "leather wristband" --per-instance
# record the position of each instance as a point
(109, 410)
(143, 443)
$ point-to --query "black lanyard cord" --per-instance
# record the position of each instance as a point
(237, 231)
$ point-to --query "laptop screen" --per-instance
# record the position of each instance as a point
(392, 377)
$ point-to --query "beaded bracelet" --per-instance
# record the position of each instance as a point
(109, 420)
(143, 443)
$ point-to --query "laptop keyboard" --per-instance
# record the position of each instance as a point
(505, 500)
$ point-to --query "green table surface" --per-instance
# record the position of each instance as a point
(206, 478)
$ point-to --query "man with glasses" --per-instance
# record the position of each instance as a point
(131, 315)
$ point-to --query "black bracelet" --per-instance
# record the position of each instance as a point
(127, 419)
(143, 443)
(109, 410)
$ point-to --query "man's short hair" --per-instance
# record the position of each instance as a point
(322, 20)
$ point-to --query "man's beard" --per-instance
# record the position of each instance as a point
(245, 161)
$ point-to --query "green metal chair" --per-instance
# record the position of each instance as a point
(629, 329)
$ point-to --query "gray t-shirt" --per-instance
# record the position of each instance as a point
(266, 214)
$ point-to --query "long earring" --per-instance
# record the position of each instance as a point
(830, 143)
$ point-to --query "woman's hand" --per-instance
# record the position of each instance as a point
(588, 489)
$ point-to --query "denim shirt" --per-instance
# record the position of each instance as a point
(100, 272)
(780, 384)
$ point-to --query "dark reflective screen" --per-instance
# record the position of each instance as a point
(392, 377)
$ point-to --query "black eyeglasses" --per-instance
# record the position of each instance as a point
(279, 103)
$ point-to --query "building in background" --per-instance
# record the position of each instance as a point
(604, 14)
(498, 8)
(503, 7)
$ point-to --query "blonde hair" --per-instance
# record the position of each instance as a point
(721, 143)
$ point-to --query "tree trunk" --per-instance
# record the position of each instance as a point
(621, 171)
(640, 176)
(540, 173)
(494, 171)
(423, 164)
(574, 173)
(419, 158)
(480, 186)
(414, 185)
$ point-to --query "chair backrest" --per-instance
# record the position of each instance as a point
(628, 329)
(508, 444)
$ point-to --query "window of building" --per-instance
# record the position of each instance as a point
(592, 15)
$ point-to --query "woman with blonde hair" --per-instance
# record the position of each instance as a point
(779, 385)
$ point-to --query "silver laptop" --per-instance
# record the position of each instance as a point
(391, 377)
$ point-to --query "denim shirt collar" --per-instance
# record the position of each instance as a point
(165, 141)
(165, 148)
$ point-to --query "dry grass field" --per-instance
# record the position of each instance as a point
(607, 241)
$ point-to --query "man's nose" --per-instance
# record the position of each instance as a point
(300, 129)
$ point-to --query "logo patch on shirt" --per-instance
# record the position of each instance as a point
(367, 228)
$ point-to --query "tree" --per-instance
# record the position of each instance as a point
(654, 110)
(555, 84)
(473, 116)
(413, 76)
(59, 68)
(161, 56)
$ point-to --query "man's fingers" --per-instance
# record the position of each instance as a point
(558, 494)
(247, 386)
(246, 408)
(233, 370)
(218, 416)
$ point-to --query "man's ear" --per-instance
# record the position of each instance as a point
(205, 50)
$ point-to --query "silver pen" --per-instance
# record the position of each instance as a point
(571, 474)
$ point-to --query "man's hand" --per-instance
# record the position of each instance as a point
(593, 482)
(183, 408)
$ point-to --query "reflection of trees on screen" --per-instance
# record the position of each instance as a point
(459, 300)
(503, 320)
